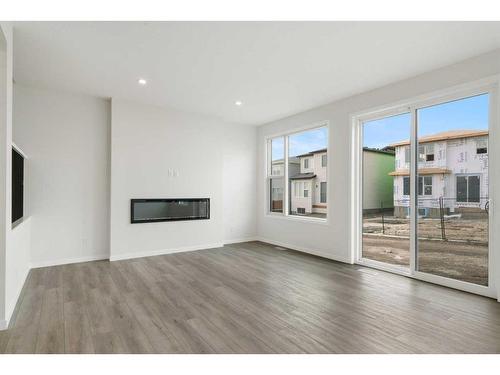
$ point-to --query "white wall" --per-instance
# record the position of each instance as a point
(333, 239)
(66, 138)
(239, 188)
(5, 125)
(19, 264)
(161, 153)
(15, 243)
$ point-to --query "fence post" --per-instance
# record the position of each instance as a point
(441, 216)
(382, 211)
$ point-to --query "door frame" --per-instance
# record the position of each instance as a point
(489, 85)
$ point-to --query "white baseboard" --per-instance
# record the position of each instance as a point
(239, 240)
(304, 250)
(59, 262)
(142, 254)
(3, 325)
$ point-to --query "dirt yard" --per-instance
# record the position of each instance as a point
(465, 261)
(469, 230)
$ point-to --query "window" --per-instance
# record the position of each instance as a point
(276, 174)
(17, 185)
(300, 157)
(297, 188)
(406, 185)
(407, 154)
(481, 146)
(426, 152)
(300, 189)
(468, 188)
(322, 191)
(425, 185)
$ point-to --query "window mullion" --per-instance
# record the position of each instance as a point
(286, 189)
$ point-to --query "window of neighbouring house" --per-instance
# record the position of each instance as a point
(322, 192)
(425, 185)
(407, 154)
(481, 146)
(324, 160)
(426, 152)
(468, 188)
(406, 185)
(303, 165)
(297, 188)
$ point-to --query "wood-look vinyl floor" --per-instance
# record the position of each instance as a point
(243, 298)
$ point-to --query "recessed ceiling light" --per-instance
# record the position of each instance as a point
(142, 81)
(238, 102)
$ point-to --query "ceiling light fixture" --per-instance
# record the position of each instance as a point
(238, 103)
(142, 81)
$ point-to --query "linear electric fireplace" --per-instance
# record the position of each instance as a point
(154, 210)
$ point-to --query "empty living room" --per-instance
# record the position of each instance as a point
(258, 188)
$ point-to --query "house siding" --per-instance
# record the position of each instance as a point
(460, 158)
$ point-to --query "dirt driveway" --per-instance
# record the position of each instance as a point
(458, 260)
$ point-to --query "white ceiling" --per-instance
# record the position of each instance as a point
(276, 68)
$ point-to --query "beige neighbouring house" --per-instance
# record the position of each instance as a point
(278, 170)
(452, 168)
(309, 185)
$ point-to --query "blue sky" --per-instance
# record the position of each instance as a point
(301, 143)
(469, 113)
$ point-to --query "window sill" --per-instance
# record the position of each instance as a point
(303, 219)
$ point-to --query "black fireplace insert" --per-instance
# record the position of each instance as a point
(169, 209)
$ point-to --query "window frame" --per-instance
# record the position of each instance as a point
(288, 186)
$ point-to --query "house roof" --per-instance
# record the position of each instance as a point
(313, 152)
(293, 159)
(303, 176)
(421, 171)
(452, 134)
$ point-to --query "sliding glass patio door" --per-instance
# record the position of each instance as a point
(424, 201)
(386, 191)
(453, 190)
